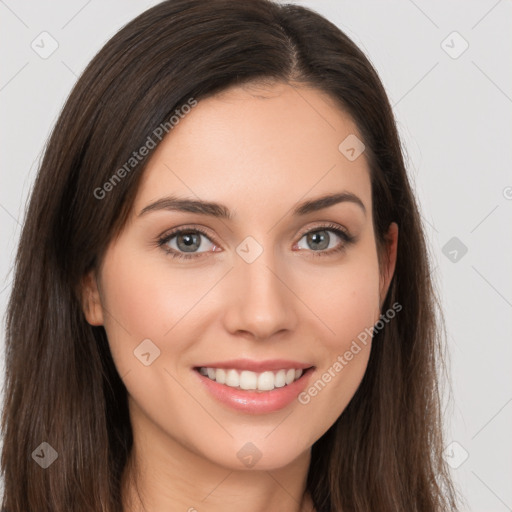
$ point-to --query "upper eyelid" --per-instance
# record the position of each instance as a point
(328, 226)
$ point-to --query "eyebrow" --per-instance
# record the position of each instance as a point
(221, 211)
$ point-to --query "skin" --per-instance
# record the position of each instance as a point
(260, 150)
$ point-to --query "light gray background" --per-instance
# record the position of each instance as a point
(454, 120)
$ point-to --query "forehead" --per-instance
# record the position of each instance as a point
(256, 147)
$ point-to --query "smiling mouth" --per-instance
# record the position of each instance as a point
(253, 381)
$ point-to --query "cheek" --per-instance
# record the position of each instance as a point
(347, 303)
(137, 304)
(144, 296)
(146, 308)
(345, 299)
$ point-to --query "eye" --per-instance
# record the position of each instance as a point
(184, 242)
(323, 244)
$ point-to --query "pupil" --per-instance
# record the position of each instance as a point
(190, 240)
(318, 238)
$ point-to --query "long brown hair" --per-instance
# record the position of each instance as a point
(61, 387)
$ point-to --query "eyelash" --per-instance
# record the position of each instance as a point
(344, 235)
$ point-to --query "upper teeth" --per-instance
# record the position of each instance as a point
(246, 379)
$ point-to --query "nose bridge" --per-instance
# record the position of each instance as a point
(262, 303)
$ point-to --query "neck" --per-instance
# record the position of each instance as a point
(164, 475)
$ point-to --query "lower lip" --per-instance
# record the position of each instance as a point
(256, 402)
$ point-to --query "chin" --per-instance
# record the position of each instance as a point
(257, 455)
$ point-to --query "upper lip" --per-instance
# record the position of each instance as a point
(257, 366)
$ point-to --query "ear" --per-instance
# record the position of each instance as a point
(389, 261)
(91, 301)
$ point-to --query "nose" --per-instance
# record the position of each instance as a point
(261, 301)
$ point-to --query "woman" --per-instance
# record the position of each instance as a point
(176, 339)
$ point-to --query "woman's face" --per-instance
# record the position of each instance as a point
(269, 290)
